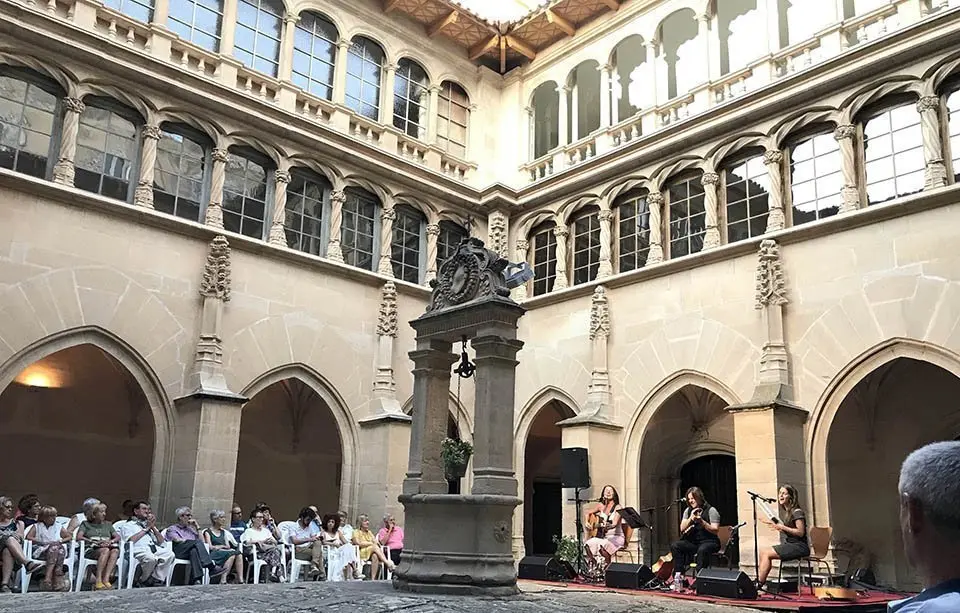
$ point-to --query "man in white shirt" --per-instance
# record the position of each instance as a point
(930, 525)
(145, 539)
(307, 542)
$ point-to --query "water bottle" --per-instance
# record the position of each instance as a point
(677, 579)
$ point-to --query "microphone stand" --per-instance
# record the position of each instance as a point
(580, 562)
(756, 543)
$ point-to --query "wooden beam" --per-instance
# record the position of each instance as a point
(503, 54)
(443, 22)
(523, 48)
(613, 4)
(480, 48)
(561, 22)
(389, 5)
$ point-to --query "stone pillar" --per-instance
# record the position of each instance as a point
(936, 172)
(605, 268)
(433, 114)
(562, 116)
(773, 160)
(432, 363)
(384, 386)
(386, 94)
(655, 202)
(520, 292)
(337, 198)
(561, 232)
(605, 95)
(63, 170)
(143, 194)
(386, 441)
(498, 225)
(214, 215)
(387, 216)
(228, 29)
(703, 36)
(709, 181)
(599, 395)
(285, 62)
(278, 237)
(340, 72)
(653, 75)
(850, 192)
(161, 9)
(433, 232)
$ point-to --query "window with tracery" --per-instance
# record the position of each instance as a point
(746, 190)
(405, 248)
(586, 247)
(633, 231)
(453, 118)
(246, 190)
(410, 99)
(29, 116)
(108, 149)
(358, 232)
(815, 178)
(257, 37)
(303, 217)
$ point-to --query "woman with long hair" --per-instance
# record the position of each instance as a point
(606, 527)
(338, 560)
(793, 533)
(698, 532)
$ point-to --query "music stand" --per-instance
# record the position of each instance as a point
(633, 519)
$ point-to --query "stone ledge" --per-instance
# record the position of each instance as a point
(386, 418)
(597, 421)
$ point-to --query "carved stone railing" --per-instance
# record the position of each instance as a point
(456, 168)
(676, 109)
(363, 129)
(117, 26)
(255, 84)
(410, 148)
(731, 85)
(194, 59)
(580, 151)
(625, 131)
(539, 168)
(313, 107)
(870, 26)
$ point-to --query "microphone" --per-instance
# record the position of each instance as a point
(763, 498)
(679, 501)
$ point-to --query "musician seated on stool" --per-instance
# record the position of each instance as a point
(698, 533)
(792, 527)
(604, 527)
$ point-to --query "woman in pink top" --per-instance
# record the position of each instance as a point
(391, 535)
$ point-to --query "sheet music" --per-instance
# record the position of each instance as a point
(766, 511)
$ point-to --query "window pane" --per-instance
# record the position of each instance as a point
(141, 10)
(586, 248)
(686, 221)
(893, 152)
(303, 219)
(198, 21)
(544, 261)
(257, 38)
(179, 174)
(27, 115)
(747, 199)
(357, 234)
(816, 179)
(245, 194)
(364, 62)
(107, 148)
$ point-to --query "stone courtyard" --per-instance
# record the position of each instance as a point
(345, 597)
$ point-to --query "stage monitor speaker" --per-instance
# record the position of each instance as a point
(545, 568)
(628, 576)
(574, 470)
(725, 584)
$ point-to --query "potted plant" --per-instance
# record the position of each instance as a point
(566, 549)
(455, 455)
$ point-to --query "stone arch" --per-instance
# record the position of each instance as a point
(569, 208)
(622, 186)
(674, 167)
(426, 209)
(410, 54)
(363, 31)
(457, 412)
(732, 147)
(899, 84)
(445, 77)
(799, 121)
(57, 73)
(327, 171)
(346, 424)
(381, 192)
(277, 155)
(97, 87)
(311, 6)
(940, 73)
(530, 221)
(137, 365)
(177, 115)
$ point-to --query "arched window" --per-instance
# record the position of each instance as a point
(893, 154)
(315, 54)
(815, 178)
(360, 225)
(405, 252)
(257, 42)
(584, 100)
(307, 195)
(181, 174)
(29, 115)
(800, 20)
(686, 68)
(246, 190)
(141, 10)
(364, 70)
(546, 113)
(742, 40)
(451, 234)
(685, 203)
(544, 245)
(197, 21)
(410, 99)
(746, 189)
(633, 231)
(108, 148)
(586, 246)
(953, 110)
(630, 89)
(453, 118)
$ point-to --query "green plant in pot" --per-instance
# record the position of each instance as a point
(455, 455)
(566, 549)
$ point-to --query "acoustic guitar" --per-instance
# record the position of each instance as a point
(597, 524)
(835, 593)
(663, 567)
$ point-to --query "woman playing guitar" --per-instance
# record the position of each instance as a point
(604, 528)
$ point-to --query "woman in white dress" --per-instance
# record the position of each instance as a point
(338, 557)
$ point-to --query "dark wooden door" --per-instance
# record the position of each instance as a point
(716, 475)
(547, 507)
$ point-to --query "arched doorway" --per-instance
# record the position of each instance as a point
(80, 425)
(290, 453)
(715, 473)
(542, 492)
(896, 408)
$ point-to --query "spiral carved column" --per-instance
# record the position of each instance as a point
(935, 174)
(63, 170)
(433, 232)
(773, 160)
(385, 267)
(281, 178)
(143, 194)
(560, 281)
(605, 269)
(520, 292)
(655, 202)
(709, 181)
(850, 192)
(214, 216)
(334, 251)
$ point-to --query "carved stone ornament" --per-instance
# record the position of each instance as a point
(771, 286)
(151, 132)
(387, 319)
(844, 132)
(928, 103)
(709, 178)
(216, 272)
(498, 233)
(473, 272)
(74, 105)
(772, 156)
(501, 531)
(599, 313)
(219, 155)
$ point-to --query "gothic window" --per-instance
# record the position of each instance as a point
(197, 21)
(544, 245)
(583, 100)
(815, 178)
(633, 231)
(247, 189)
(410, 99)
(364, 71)
(358, 233)
(257, 42)
(405, 246)
(29, 114)
(953, 110)
(180, 175)
(451, 234)
(546, 122)
(746, 190)
(141, 10)
(315, 54)
(453, 118)
(586, 247)
(893, 154)
(108, 149)
(303, 218)
(685, 203)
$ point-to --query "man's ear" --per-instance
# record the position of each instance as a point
(916, 518)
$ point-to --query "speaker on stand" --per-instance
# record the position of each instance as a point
(725, 584)
(574, 468)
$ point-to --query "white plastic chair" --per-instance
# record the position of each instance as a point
(85, 562)
(168, 545)
(286, 528)
(256, 564)
(24, 574)
(121, 556)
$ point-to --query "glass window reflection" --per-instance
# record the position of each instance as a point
(816, 178)
(893, 154)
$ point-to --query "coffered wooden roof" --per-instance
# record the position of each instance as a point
(502, 46)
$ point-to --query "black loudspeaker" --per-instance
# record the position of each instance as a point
(544, 568)
(574, 470)
(628, 576)
(726, 584)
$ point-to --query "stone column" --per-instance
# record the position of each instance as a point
(562, 116)
(334, 252)
(433, 231)
(703, 35)
(605, 95)
(599, 396)
(386, 94)
(936, 172)
(773, 160)
(496, 360)
(709, 181)
(653, 75)
(432, 361)
(387, 216)
(561, 232)
(655, 202)
(228, 29)
(433, 113)
(340, 72)
(384, 385)
(520, 292)
(63, 170)
(281, 178)
(143, 194)
(850, 192)
(605, 269)
(214, 215)
(285, 63)
(497, 228)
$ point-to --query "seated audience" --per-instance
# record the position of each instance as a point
(28, 509)
(369, 547)
(267, 545)
(102, 544)
(268, 521)
(187, 545)
(126, 510)
(307, 544)
(237, 525)
(337, 547)
(224, 549)
(11, 543)
(76, 520)
(145, 541)
(48, 545)
(391, 535)
(351, 557)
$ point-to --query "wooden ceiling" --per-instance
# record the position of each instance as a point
(502, 46)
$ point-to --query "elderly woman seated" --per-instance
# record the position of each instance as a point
(370, 550)
(11, 543)
(102, 544)
(78, 518)
(266, 543)
(48, 539)
(224, 549)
